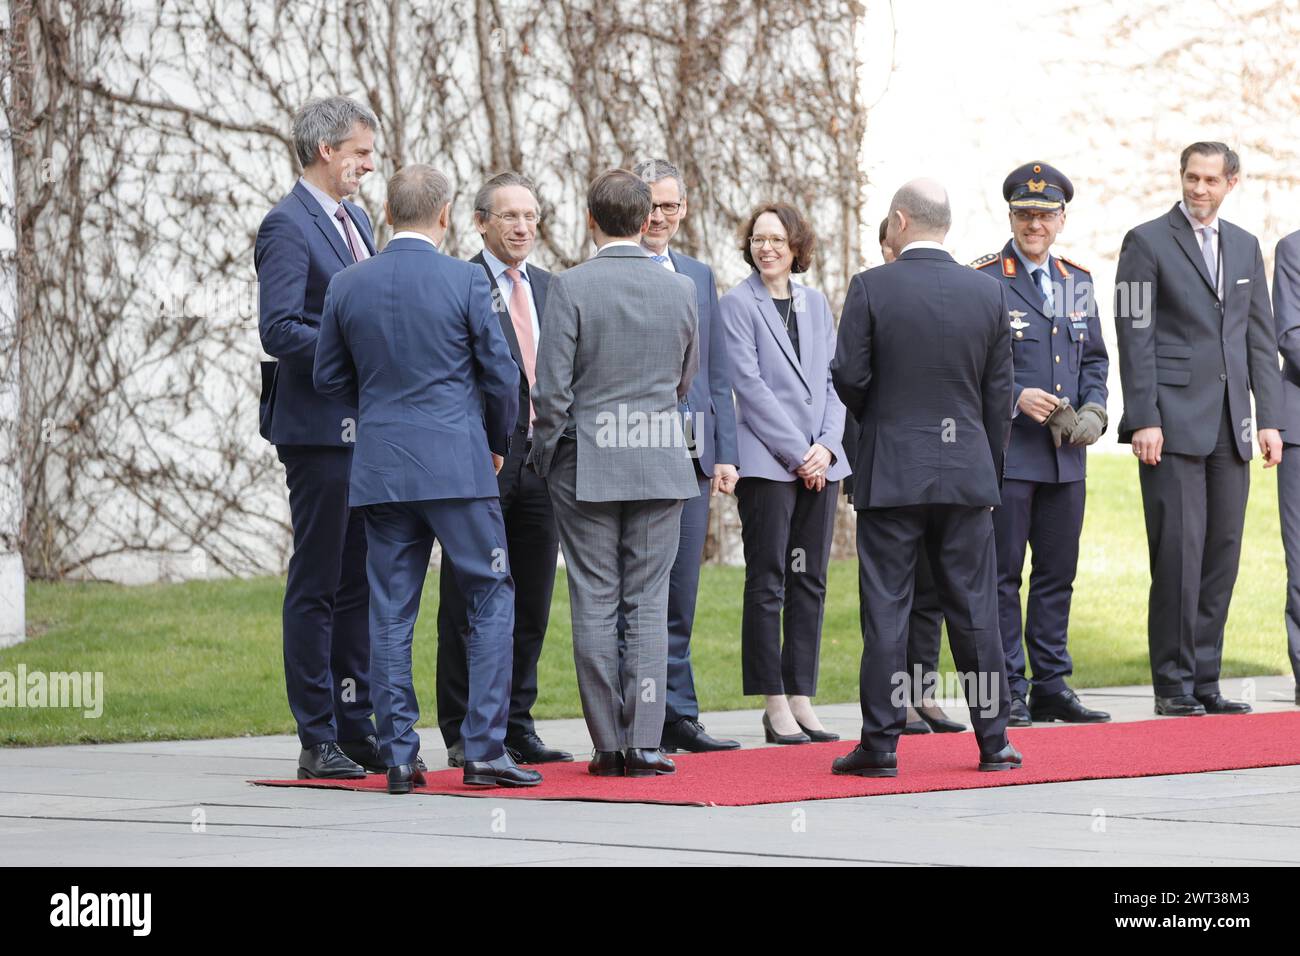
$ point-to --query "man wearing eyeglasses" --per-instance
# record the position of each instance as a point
(1060, 409)
(506, 214)
(711, 418)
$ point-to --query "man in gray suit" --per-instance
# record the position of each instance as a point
(1196, 339)
(620, 350)
(1286, 313)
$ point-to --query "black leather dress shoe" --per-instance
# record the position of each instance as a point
(1218, 704)
(915, 725)
(860, 762)
(938, 721)
(1020, 716)
(646, 763)
(500, 772)
(326, 762)
(530, 749)
(1184, 705)
(817, 736)
(606, 763)
(688, 734)
(456, 754)
(1008, 758)
(402, 779)
(365, 752)
(1066, 707)
(772, 737)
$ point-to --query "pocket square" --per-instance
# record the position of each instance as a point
(1242, 281)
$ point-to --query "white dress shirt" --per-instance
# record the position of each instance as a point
(668, 260)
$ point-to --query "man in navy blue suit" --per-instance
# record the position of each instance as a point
(411, 336)
(311, 234)
(923, 361)
(506, 214)
(1060, 392)
(711, 416)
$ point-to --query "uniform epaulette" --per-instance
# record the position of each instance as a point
(1068, 261)
(983, 261)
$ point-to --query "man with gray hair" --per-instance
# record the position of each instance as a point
(411, 337)
(311, 234)
(710, 415)
(506, 214)
(923, 362)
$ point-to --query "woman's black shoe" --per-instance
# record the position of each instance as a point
(772, 737)
(818, 736)
(939, 722)
(915, 725)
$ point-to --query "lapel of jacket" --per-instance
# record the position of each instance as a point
(362, 230)
(803, 321)
(327, 228)
(538, 280)
(775, 325)
(1021, 282)
(501, 307)
(1185, 236)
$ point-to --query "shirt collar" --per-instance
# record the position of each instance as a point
(619, 242)
(327, 202)
(923, 244)
(667, 253)
(498, 267)
(408, 234)
(1212, 225)
(1029, 265)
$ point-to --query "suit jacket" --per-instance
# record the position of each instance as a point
(540, 281)
(297, 252)
(619, 353)
(709, 400)
(924, 362)
(410, 335)
(1178, 359)
(784, 402)
(1286, 314)
(1060, 351)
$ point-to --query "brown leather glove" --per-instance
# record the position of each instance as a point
(1062, 420)
(1091, 423)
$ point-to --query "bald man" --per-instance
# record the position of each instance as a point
(923, 362)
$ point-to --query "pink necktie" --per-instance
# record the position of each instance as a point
(341, 215)
(522, 319)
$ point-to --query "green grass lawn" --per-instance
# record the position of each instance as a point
(203, 659)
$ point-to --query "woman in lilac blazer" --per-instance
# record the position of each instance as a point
(790, 426)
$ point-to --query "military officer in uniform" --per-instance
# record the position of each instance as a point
(1060, 409)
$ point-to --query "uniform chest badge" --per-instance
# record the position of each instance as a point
(1016, 318)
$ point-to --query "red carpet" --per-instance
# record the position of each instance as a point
(739, 778)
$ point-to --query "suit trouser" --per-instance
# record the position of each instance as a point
(683, 590)
(1047, 516)
(534, 546)
(1288, 502)
(1195, 511)
(326, 639)
(617, 556)
(959, 542)
(924, 633)
(400, 537)
(786, 530)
